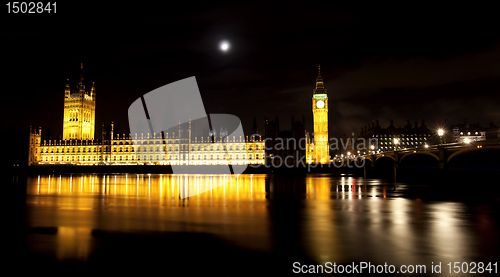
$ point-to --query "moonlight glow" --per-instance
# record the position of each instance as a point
(224, 46)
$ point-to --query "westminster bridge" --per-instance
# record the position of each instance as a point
(484, 154)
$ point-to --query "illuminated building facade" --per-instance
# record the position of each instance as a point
(383, 139)
(79, 112)
(467, 132)
(79, 147)
(318, 148)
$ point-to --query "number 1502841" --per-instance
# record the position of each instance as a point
(31, 7)
(472, 267)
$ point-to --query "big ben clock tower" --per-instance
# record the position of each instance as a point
(319, 149)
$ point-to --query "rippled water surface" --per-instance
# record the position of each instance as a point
(312, 219)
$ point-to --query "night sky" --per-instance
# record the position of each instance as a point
(404, 62)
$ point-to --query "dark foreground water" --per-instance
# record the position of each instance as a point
(253, 225)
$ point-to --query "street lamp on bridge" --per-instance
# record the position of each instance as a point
(440, 134)
(396, 142)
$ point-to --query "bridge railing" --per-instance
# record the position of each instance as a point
(452, 145)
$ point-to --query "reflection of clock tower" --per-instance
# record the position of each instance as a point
(319, 152)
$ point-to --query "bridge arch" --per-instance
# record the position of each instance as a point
(475, 158)
(419, 160)
(365, 158)
(385, 156)
(495, 148)
(419, 153)
(367, 161)
(461, 151)
(384, 161)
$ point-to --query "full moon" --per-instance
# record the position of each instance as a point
(224, 46)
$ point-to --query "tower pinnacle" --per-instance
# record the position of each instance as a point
(81, 86)
(81, 73)
(79, 112)
(320, 89)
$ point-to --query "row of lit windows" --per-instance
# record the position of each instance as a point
(403, 143)
(201, 157)
(90, 149)
(71, 158)
(469, 133)
(94, 150)
(390, 140)
(94, 142)
(175, 141)
(145, 157)
(200, 148)
(402, 135)
(144, 148)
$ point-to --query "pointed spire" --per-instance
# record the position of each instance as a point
(319, 79)
(81, 86)
(92, 91)
(81, 73)
(320, 89)
(67, 90)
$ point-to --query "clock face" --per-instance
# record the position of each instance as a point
(320, 104)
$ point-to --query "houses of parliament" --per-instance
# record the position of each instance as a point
(79, 146)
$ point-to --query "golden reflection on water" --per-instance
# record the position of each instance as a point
(341, 219)
(78, 204)
(153, 187)
(73, 243)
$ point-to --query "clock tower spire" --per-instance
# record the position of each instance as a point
(320, 88)
(318, 150)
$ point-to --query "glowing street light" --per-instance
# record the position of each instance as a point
(396, 142)
(440, 133)
(467, 140)
(426, 146)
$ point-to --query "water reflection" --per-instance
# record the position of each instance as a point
(153, 187)
(336, 219)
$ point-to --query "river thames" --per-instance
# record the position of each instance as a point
(250, 224)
